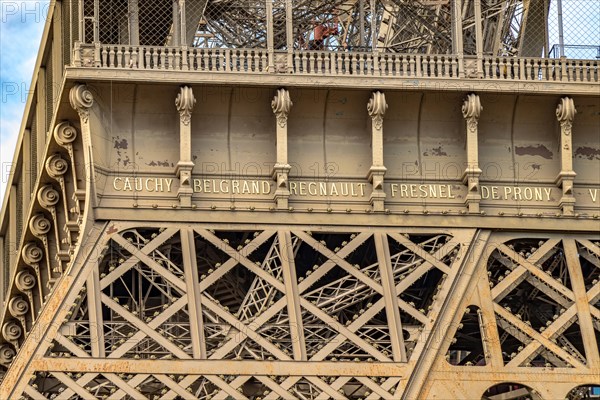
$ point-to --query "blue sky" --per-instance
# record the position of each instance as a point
(21, 27)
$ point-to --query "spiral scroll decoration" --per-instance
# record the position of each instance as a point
(81, 100)
(32, 254)
(64, 134)
(25, 281)
(39, 225)
(12, 331)
(18, 306)
(56, 166)
(7, 354)
(48, 196)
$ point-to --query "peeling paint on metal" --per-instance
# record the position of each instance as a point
(539, 150)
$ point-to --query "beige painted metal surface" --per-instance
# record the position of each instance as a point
(238, 223)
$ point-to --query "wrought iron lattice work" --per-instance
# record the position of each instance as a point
(504, 28)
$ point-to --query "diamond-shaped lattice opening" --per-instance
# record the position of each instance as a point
(345, 298)
(555, 266)
(512, 341)
(590, 265)
(421, 294)
(572, 342)
(532, 306)
(303, 389)
(467, 346)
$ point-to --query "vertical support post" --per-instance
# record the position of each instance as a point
(288, 267)
(361, 20)
(478, 37)
(183, 24)
(95, 314)
(134, 23)
(13, 247)
(391, 297)
(26, 172)
(377, 107)
(190, 268)
(565, 113)
(289, 34)
(176, 38)
(96, 21)
(582, 303)
(185, 102)
(80, 19)
(373, 26)
(281, 106)
(561, 38)
(457, 36)
(3, 272)
(270, 45)
(471, 110)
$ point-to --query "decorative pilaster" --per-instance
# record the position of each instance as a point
(377, 107)
(282, 105)
(471, 110)
(565, 113)
(185, 103)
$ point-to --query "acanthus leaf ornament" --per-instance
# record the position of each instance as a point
(281, 105)
(81, 100)
(377, 106)
(185, 102)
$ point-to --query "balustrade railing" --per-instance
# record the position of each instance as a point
(331, 63)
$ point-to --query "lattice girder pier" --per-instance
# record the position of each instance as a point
(150, 311)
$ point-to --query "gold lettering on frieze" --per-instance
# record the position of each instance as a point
(150, 185)
(420, 191)
(327, 189)
(516, 193)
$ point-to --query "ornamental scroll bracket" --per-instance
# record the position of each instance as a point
(471, 110)
(281, 105)
(565, 113)
(185, 103)
(377, 106)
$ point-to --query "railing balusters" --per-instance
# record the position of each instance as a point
(333, 63)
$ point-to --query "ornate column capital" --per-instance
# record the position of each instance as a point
(471, 110)
(565, 111)
(81, 100)
(281, 105)
(377, 106)
(185, 103)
